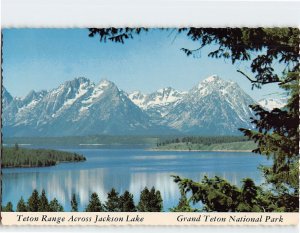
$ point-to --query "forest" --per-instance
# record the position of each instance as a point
(150, 201)
(204, 140)
(213, 143)
(24, 157)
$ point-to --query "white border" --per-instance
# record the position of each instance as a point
(153, 13)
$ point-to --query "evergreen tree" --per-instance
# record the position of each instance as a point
(22, 207)
(278, 138)
(8, 207)
(43, 202)
(113, 201)
(94, 204)
(33, 201)
(74, 204)
(55, 206)
(150, 201)
(183, 205)
(127, 203)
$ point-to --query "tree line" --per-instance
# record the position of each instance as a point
(204, 140)
(23, 157)
(150, 201)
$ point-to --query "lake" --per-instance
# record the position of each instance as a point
(127, 169)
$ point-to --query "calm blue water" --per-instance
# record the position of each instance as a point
(127, 169)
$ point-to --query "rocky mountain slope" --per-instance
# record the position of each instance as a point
(80, 107)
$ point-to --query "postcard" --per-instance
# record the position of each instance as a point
(150, 126)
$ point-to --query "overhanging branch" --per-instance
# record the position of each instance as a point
(257, 81)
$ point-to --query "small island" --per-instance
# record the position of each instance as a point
(17, 157)
(205, 143)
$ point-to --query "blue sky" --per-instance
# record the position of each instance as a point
(36, 59)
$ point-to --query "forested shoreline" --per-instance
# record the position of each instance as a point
(214, 143)
(16, 156)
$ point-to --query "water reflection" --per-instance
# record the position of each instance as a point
(127, 170)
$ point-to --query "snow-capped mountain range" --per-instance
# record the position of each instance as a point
(271, 103)
(81, 107)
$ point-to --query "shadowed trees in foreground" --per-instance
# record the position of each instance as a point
(150, 201)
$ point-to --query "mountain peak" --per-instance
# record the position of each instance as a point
(6, 97)
(209, 82)
(165, 89)
(104, 83)
(82, 79)
(34, 95)
(212, 78)
(271, 103)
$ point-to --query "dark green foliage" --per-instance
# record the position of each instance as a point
(150, 201)
(22, 207)
(38, 203)
(54, 206)
(8, 207)
(183, 205)
(278, 138)
(127, 203)
(33, 202)
(113, 201)
(118, 35)
(22, 157)
(43, 202)
(236, 44)
(94, 204)
(74, 204)
(205, 140)
(217, 194)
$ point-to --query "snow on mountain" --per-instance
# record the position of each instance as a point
(158, 103)
(6, 98)
(81, 107)
(160, 97)
(78, 107)
(272, 103)
(214, 106)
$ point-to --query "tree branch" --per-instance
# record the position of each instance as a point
(257, 81)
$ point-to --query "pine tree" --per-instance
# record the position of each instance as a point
(94, 204)
(74, 204)
(150, 201)
(127, 203)
(113, 201)
(43, 202)
(22, 207)
(183, 205)
(8, 207)
(278, 138)
(33, 201)
(55, 206)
